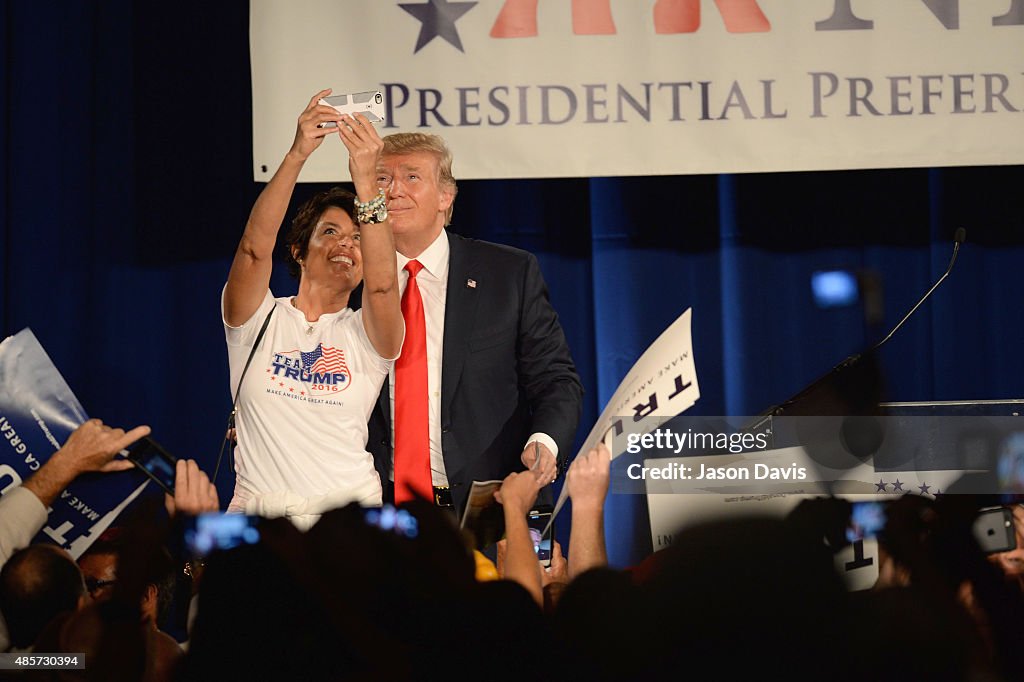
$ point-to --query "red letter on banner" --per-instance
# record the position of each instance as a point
(517, 19)
(683, 16)
(592, 17)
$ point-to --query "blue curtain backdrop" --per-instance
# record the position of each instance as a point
(126, 168)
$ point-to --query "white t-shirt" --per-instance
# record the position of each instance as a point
(302, 412)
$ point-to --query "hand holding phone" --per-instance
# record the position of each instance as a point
(993, 526)
(537, 521)
(994, 531)
(151, 459)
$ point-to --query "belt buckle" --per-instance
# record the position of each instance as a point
(442, 496)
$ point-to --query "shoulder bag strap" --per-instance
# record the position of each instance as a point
(238, 390)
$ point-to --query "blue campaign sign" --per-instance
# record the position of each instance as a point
(38, 412)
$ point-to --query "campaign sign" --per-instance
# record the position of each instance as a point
(661, 384)
(38, 412)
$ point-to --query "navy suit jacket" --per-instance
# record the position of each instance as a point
(506, 371)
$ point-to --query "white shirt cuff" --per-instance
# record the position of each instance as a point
(545, 440)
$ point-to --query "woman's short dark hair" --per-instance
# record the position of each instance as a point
(306, 219)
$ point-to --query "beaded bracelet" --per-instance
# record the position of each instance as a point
(373, 211)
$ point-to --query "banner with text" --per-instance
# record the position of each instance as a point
(590, 88)
(38, 412)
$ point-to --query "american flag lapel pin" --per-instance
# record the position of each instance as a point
(471, 283)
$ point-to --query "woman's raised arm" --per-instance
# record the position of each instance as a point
(251, 268)
(382, 313)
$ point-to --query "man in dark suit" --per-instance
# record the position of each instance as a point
(500, 382)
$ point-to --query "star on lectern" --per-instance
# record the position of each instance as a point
(438, 19)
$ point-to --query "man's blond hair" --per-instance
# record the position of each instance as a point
(410, 143)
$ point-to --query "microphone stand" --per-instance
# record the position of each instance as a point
(958, 238)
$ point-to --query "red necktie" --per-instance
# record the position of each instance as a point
(412, 412)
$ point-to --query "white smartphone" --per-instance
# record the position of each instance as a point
(369, 103)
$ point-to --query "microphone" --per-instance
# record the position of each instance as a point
(958, 238)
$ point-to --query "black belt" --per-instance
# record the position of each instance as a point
(443, 496)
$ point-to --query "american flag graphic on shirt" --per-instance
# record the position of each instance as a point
(322, 369)
(325, 359)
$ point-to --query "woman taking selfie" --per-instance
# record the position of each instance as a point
(318, 368)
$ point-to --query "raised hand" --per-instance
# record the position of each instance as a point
(194, 494)
(518, 492)
(364, 148)
(309, 132)
(587, 480)
(546, 471)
